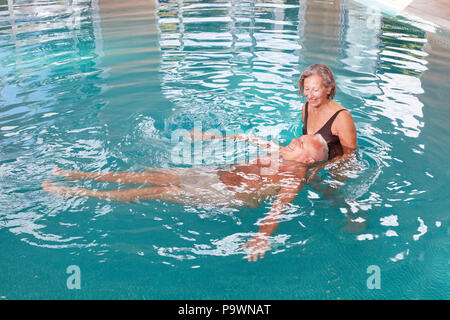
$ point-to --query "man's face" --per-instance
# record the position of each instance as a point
(303, 149)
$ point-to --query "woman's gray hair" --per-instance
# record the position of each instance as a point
(323, 154)
(324, 72)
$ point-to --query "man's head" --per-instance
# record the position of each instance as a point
(307, 149)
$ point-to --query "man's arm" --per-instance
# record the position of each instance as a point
(260, 142)
(259, 244)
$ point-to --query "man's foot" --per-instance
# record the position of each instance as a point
(53, 188)
(67, 174)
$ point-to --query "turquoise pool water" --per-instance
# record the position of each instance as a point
(101, 85)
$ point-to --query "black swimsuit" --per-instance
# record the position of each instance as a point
(334, 145)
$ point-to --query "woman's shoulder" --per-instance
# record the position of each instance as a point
(336, 106)
(343, 112)
(343, 121)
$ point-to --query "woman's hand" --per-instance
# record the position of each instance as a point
(313, 173)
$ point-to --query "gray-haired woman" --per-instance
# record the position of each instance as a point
(322, 115)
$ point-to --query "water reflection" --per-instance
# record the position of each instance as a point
(244, 57)
(100, 88)
(49, 64)
(240, 61)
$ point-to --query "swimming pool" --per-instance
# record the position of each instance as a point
(100, 86)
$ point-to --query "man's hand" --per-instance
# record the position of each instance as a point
(197, 135)
(257, 247)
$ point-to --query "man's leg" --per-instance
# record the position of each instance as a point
(163, 177)
(169, 193)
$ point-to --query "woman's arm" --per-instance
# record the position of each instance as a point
(346, 131)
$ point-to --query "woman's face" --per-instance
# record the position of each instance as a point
(315, 91)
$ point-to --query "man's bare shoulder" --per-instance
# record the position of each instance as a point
(293, 169)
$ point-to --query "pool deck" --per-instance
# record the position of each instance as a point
(436, 11)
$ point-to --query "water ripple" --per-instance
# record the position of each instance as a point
(101, 86)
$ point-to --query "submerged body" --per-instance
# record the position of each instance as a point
(238, 185)
(233, 186)
(281, 173)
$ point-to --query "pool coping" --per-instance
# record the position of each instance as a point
(435, 11)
